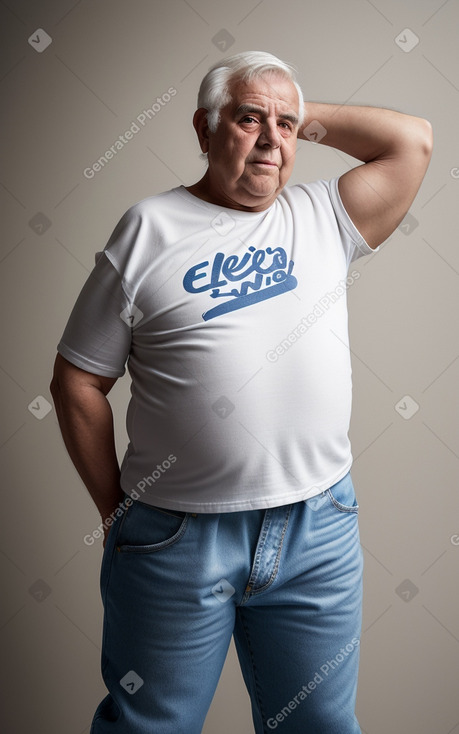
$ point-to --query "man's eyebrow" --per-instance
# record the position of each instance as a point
(245, 109)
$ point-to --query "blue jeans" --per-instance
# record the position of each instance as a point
(286, 582)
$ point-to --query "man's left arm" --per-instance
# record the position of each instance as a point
(395, 149)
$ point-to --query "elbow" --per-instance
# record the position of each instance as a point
(418, 147)
(426, 138)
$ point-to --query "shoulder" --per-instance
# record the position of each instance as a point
(152, 206)
(320, 190)
(143, 232)
(310, 201)
(320, 202)
(144, 219)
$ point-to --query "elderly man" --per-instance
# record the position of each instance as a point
(233, 512)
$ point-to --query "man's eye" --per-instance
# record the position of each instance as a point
(248, 119)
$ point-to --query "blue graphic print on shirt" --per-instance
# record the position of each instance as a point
(267, 273)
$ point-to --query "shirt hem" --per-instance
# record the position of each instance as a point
(87, 365)
(347, 222)
(263, 503)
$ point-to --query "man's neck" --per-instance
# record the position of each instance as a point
(203, 190)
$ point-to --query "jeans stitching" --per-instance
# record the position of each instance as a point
(272, 578)
(155, 547)
(341, 507)
(257, 687)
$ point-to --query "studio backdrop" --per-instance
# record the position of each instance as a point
(97, 106)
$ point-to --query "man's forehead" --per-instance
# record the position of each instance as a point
(263, 91)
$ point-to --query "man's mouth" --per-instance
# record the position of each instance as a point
(264, 162)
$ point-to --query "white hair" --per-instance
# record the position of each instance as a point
(214, 90)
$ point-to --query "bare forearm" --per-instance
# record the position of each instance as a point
(86, 423)
(366, 133)
(395, 150)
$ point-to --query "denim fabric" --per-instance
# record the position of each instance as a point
(285, 581)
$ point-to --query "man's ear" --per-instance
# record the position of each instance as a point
(202, 128)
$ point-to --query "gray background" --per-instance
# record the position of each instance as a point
(64, 105)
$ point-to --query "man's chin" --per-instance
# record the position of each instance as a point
(257, 199)
(268, 190)
(261, 186)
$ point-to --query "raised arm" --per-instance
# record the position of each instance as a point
(86, 422)
(395, 149)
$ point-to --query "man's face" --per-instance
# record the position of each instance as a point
(252, 153)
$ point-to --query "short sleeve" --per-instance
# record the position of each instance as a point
(97, 337)
(356, 245)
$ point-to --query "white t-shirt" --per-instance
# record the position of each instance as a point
(234, 329)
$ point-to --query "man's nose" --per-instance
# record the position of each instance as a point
(270, 135)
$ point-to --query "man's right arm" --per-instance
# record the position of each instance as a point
(86, 422)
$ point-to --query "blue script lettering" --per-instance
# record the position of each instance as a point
(271, 273)
(232, 268)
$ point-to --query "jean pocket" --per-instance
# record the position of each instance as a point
(342, 495)
(148, 529)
